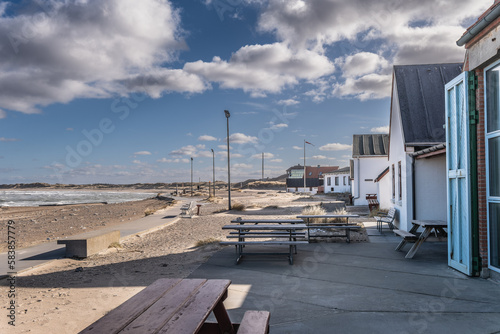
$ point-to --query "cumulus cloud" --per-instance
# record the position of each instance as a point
(276, 160)
(3, 114)
(335, 147)
(90, 49)
(142, 153)
(406, 32)
(320, 157)
(296, 147)
(206, 138)
(241, 166)
(261, 69)
(380, 129)
(185, 150)
(240, 138)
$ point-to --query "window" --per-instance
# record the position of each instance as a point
(320, 173)
(336, 180)
(345, 180)
(310, 173)
(393, 182)
(328, 181)
(400, 187)
(492, 120)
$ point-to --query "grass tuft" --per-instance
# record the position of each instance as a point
(149, 212)
(115, 245)
(238, 207)
(209, 241)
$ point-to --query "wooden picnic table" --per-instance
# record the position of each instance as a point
(245, 231)
(179, 306)
(267, 221)
(428, 225)
(330, 225)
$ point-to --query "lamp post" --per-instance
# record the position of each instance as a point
(191, 176)
(228, 162)
(213, 169)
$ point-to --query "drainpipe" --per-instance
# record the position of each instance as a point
(359, 182)
(476, 29)
(473, 120)
(413, 191)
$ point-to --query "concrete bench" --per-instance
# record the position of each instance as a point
(254, 322)
(89, 243)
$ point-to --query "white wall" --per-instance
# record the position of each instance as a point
(397, 153)
(366, 170)
(341, 188)
(430, 188)
(384, 192)
(301, 190)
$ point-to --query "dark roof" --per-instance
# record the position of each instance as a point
(370, 145)
(420, 90)
(299, 183)
(315, 170)
(344, 170)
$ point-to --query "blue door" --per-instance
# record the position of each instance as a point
(458, 170)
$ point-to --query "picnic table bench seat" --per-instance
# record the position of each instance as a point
(372, 201)
(266, 230)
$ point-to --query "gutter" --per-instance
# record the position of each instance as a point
(479, 26)
(428, 150)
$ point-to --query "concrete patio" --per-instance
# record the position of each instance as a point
(358, 288)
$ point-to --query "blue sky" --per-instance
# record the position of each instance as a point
(123, 91)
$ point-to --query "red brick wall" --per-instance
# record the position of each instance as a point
(481, 170)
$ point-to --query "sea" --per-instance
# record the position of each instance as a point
(64, 197)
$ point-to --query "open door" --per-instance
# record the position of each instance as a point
(458, 170)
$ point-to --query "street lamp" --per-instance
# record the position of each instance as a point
(191, 176)
(213, 168)
(228, 162)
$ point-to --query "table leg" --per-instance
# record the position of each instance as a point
(222, 317)
(403, 242)
(418, 243)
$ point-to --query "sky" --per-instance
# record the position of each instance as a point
(125, 91)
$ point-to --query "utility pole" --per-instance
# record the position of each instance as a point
(262, 166)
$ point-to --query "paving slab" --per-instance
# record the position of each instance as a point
(357, 288)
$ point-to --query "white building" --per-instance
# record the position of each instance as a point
(338, 181)
(369, 159)
(417, 160)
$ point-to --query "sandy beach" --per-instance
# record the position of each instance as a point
(70, 294)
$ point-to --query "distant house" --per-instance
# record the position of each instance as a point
(314, 178)
(369, 159)
(473, 151)
(338, 181)
(417, 161)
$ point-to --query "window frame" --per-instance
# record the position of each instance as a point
(487, 136)
(400, 185)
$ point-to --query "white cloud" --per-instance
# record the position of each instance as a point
(3, 139)
(138, 162)
(297, 147)
(320, 157)
(142, 153)
(261, 69)
(206, 138)
(278, 126)
(240, 138)
(405, 32)
(3, 114)
(185, 150)
(91, 49)
(276, 160)
(224, 147)
(241, 166)
(380, 129)
(288, 102)
(266, 156)
(370, 86)
(335, 147)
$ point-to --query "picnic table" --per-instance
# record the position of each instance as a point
(437, 226)
(343, 224)
(178, 306)
(278, 229)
